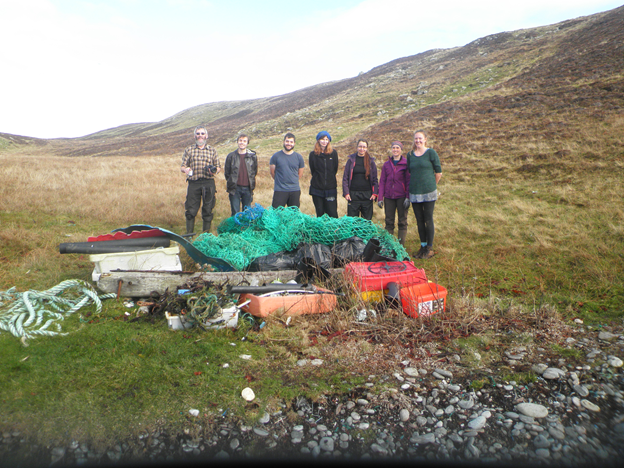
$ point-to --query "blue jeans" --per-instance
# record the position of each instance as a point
(242, 194)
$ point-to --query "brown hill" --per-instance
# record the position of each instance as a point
(550, 86)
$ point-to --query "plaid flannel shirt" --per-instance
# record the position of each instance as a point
(198, 158)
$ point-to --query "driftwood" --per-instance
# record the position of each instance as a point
(132, 283)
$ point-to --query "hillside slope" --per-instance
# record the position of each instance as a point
(485, 97)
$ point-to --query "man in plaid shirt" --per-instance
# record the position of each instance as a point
(200, 163)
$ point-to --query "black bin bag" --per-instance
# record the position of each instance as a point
(313, 260)
(347, 251)
(274, 262)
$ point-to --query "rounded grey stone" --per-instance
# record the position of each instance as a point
(411, 371)
(466, 404)
(326, 444)
(532, 409)
(606, 336)
(581, 390)
(590, 406)
(556, 433)
(542, 453)
(477, 423)
(445, 373)
(378, 449)
(428, 438)
(541, 442)
(553, 373)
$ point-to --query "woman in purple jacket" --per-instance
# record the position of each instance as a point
(359, 182)
(394, 190)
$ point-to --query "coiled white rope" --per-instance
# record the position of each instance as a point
(22, 314)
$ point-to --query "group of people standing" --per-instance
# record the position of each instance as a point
(404, 180)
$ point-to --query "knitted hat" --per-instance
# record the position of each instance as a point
(397, 143)
(323, 134)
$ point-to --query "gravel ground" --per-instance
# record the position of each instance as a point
(572, 414)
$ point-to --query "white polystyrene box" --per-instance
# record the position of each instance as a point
(177, 322)
(226, 318)
(163, 258)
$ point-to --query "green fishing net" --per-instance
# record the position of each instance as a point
(257, 232)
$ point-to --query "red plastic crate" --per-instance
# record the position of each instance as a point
(423, 299)
(375, 276)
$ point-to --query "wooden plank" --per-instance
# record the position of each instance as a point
(143, 283)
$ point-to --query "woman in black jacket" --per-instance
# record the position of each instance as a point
(360, 185)
(323, 163)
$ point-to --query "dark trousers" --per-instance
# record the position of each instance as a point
(241, 195)
(202, 192)
(394, 207)
(286, 199)
(361, 204)
(323, 205)
(424, 219)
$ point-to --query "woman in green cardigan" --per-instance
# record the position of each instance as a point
(425, 171)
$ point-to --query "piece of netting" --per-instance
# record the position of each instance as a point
(241, 220)
(283, 229)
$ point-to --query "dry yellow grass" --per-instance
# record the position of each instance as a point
(121, 190)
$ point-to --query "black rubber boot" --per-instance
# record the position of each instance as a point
(190, 226)
(402, 236)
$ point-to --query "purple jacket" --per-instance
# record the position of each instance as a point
(394, 180)
(348, 175)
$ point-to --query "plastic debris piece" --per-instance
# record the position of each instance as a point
(363, 314)
(194, 412)
(248, 394)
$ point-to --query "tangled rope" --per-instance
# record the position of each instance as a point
(203, 308)
(24, 314)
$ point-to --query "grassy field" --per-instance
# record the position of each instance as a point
(529, 237)
(522, 250)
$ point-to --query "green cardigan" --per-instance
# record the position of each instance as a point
(422, 171)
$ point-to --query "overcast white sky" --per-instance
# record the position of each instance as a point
(74, 67)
